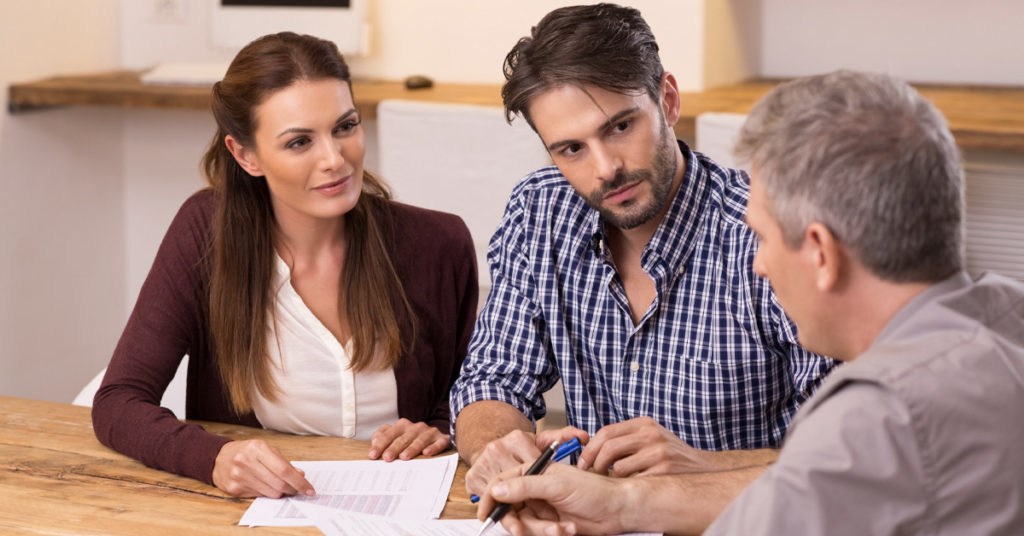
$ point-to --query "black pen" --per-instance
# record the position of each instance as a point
(501, 509)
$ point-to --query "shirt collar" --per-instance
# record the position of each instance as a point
(674, 240)
(956, 281)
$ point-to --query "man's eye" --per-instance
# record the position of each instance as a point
(622, 126)
(571, 149)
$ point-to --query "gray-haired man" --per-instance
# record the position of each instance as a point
(857, 199)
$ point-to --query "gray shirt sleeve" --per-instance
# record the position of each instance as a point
(852, 466)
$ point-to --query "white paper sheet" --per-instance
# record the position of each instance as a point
(413, 489)
(341, 523)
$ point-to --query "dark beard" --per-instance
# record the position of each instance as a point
(659, 176)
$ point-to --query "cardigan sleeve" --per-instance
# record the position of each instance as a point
(435, 258)
(168, 321)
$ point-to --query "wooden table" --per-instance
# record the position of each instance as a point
(56, 479)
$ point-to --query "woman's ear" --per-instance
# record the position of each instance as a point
(245, 158)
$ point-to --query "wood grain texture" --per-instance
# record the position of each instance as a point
(981, 117)
(57, 479)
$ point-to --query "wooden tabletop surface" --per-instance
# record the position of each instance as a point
(57, 479)
(981, 117)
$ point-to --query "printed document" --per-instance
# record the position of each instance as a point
(407, 489)
(341, 523)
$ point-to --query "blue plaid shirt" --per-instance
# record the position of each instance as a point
(714, 359)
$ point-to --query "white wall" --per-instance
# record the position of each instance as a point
(732, 42)
(450, 40)
(61, 252)
(461, 41)
(161, 151)
(940, 41)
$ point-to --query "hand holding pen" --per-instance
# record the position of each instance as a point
(553, 452)
(565, 500)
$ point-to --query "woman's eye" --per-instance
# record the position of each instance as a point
(622, 126)
(347, 126)
(297, 143)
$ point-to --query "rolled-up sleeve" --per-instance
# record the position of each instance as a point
(509, 358)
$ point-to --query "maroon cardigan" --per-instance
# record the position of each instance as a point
(435, 260)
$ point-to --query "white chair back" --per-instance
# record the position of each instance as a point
(457, 158)
(174, 396)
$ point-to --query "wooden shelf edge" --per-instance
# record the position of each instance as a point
(986, 118)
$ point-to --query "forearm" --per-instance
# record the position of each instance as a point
(484, 421)
(682, 504)
(730, 460)
(155, 437)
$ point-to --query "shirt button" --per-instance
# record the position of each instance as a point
(634, 366)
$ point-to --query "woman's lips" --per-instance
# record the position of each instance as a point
(332, 188)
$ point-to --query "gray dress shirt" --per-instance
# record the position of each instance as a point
(921, 434)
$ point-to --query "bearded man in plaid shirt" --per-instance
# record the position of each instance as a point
(624, 271)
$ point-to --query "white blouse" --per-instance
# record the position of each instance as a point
(318, 392)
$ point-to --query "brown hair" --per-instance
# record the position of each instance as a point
(604, 45)
(244, 225)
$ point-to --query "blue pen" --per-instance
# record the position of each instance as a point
(570, 447)
(567, 449)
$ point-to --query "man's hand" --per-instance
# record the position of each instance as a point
(562, 500)
(252, 468)
(516, 448)
(642, 446)
(405, 440)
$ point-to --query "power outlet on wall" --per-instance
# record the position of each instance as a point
(169, 11)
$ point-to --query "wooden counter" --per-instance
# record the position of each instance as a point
(984, 118)
(56, 478)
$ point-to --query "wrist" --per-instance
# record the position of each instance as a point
(731, 460)
(632, 506)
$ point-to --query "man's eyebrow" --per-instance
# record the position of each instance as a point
(608, 124)
(301, 130)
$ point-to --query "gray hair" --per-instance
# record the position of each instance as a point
(867, 156)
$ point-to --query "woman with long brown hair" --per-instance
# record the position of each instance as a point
(306, 299)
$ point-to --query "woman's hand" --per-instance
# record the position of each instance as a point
(405, 440)
(252, 468)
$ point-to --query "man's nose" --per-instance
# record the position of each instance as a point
(607, 163)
